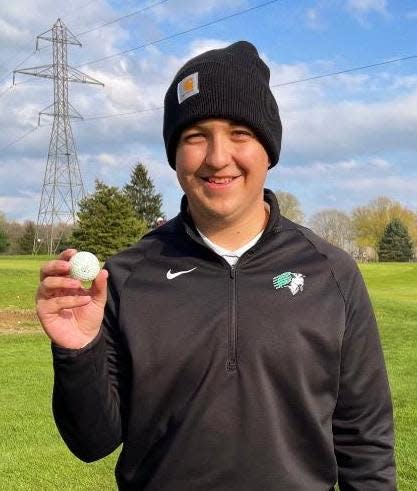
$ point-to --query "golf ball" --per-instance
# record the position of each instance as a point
(84, 266)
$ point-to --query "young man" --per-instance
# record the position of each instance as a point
(235, 350)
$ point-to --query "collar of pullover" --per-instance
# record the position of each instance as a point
(272, 226)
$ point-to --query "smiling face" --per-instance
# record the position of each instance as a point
(222, 167)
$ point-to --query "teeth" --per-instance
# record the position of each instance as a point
(220, 180)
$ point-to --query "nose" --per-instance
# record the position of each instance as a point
(218, 151)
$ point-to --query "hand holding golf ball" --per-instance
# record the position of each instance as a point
(71, 313)
(84, 266)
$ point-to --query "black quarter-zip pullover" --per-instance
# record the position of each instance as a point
(267, 376)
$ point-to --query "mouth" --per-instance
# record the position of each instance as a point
(220, 180)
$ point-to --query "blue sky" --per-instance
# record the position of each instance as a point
(347, 139)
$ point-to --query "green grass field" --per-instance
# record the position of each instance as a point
(393, 290)
(18, 282)
(34, 457)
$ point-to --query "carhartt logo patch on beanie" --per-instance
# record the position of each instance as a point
(228, 83)
(188, 87)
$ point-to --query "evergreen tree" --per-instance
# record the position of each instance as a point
(4, 241)
(395, 244)
(107, 222)
(141, 192)
(25, 241)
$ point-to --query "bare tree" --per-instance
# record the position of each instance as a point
(335, 227)
(290, 206)
(13, 230)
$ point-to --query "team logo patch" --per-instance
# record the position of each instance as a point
(187, 87)
(293, 281)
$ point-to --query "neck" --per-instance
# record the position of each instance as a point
(233, 234)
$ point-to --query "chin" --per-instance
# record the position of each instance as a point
(215, 209)
(220, 214)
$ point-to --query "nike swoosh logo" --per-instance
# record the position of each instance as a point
(171, 276)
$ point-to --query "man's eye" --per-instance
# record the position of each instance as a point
(242, 133)
(193, 136)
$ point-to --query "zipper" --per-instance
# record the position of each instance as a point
(231, 363)
(232, 334)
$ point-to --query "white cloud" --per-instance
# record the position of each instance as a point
(366, 6)
(293, 97)
(380, 163)
(16, 207)
(108, 160)
(21, 174)
(323, 130)
(9, 32)
(344, 184)
(404, 82)
(339, 169)
(115, 168)
(201, 45)
(386, 185)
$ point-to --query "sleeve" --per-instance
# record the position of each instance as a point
(363, 420)
(90, 386)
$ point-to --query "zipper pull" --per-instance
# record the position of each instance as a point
(232, 271)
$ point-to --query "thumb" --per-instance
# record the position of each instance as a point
(99, 287)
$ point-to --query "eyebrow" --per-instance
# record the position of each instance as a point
(232, 124)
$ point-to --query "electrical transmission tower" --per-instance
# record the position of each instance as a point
(62, 185)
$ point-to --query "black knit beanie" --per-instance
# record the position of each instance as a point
(229, 83)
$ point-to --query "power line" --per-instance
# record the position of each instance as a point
(17, 66)
(92, 118)
(113, 115)
(23, 82)
(26, 134)
(395, 60)
(131, 14)
(354, 69)
(281, 84)
(151, 43)
(43, 47)
(11, 58)
(5, 91)
(175, 35)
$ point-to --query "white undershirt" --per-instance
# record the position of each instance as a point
(230, 256)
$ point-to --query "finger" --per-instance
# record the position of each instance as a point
(67, 254)
(44, 294)
(98, 288)
(61, 282)
(53, 286)
(55, 267)
(55, 305)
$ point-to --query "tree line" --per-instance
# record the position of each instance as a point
(383, 229)
(110, 219)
